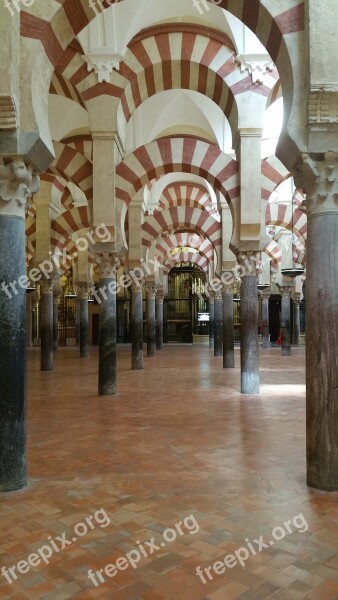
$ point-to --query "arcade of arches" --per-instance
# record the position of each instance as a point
(169, 267)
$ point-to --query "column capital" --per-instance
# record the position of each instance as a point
(17, 184)
(108, 264)
(151, 292)
(46, 285)
(265, 297)
(82, 290)
(286, 290)
(250, 263)
(319, 180)
(218, 295)
(137, 288)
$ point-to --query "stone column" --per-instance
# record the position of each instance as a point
(265, 320)
(218, 325)
(16, 183)
(296, 321)
(34, 319)
(286, 321)
(137, 327)
(249, 262)
(46, 324)
(211, 320)
(82, 295)
(56, 296)
(151, 322)
(228, 327)
(319, 179)
(159, 320)
(107, 338)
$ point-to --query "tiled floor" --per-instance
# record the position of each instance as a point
(178, 440)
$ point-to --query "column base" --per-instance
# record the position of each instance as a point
(250, 384)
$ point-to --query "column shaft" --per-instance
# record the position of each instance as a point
(151, 323)
(12, 356)
(46, 310)
(296, 322)
(321, 351)
(285, 324)
(137, 328)
(228, 330)
(159, 322)
(265, 323)
(211, 322)
(218, 325)
(249, 336)
(55, 325)
(107, 338)
(84, 326)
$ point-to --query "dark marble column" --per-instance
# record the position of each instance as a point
(249, 324)
(321, 347)
(211, 320)
(16, 186)
(84, 323)
(265, 321)
(218, 325)
(151, 322)
(319, 180)
(46, 324)
(107, 337)
(296, 321)
(137, 328)
(34, 321)
(77, 323)
(159, 320)
(228, 328)
(12, 353)
(55, 322)
(285, 324)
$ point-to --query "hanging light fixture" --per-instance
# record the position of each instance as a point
(292, 271)
(90, 297)
(30, 287)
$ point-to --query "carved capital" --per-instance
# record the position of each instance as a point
(249, 263)
(159, 297)
(108, 265)
(286, 291)
(82, 290)
(17, 184)
(103, 64)
(257, 66)
(319, 180)
(151, 292)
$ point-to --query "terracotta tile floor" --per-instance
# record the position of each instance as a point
(178, 440)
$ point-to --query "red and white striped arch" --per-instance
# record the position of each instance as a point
(70, 222)
(184, 219)
(275, 26)
(281, 215)
(73, 166)
(187, 257)
(187, 194)
(273, 173)
(177, 154)
(165, 245)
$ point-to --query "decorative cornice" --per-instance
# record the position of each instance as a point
(197, 29)
(8, 113)
(323, 104)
